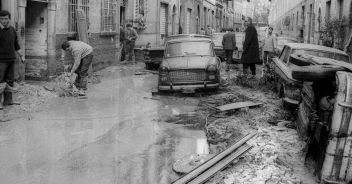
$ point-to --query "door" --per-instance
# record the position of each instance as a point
(36, 39)
(188, 20)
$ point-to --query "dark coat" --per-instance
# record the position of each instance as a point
(250, 46)
(229, 41)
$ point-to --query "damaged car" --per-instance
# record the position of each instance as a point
(291, 68)
(189, 63)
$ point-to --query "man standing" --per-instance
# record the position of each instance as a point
(82, 54)
(122, 43)
(131, 37)
(250, 55)
(269, 47)
(8, 48)
(229, 45)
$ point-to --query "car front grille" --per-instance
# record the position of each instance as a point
(187, 75)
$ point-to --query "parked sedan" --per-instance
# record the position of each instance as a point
(189, 63)
(287, 86)
(153, 56)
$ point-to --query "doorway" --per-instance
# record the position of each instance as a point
(122, 16)
(36, 39)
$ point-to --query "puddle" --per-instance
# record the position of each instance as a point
(191, 120)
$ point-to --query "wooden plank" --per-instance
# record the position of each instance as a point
(221, 165)
(202, 168)
(237, 105)
(82, 26)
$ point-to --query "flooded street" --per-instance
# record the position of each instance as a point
(119, 135)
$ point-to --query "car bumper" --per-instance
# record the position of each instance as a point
(179, 87)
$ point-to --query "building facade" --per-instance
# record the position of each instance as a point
(43, 25)
(155, 20)
(305, 19)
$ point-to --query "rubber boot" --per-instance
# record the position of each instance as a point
(7, 98)
(1, 101)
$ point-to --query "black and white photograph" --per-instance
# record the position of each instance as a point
(175, 92)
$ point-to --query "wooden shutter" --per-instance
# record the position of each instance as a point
(163, 19)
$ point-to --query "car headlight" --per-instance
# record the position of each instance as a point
(164, 68)
(212, 68)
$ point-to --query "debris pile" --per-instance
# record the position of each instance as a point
(63, 85)
(31, 98)
(278, 153)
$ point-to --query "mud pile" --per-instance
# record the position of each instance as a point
(278, 153)
(63, 85)
(31, 98)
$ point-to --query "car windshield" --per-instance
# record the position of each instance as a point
(284, 41)
(217, 39)
(178, 49)
(330, 55)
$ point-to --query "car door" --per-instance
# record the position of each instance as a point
(281, 65)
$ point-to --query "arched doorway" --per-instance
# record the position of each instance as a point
(173, 23)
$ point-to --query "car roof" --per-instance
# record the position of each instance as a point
(188, 35)
(307, 46)
(189, 40)
(286, 38)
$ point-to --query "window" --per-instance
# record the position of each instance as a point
(340, 8)
(328, 10)
(72, 7)
(109, 15)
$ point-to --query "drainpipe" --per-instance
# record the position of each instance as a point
(51, 40)
(21, 25)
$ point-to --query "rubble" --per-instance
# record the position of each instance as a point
(278, 155)
(31, 98)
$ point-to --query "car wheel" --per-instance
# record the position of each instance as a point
(316, 72)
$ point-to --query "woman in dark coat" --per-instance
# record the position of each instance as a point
(250, 55)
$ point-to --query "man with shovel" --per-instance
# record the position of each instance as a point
(9, 47)
(82, 54)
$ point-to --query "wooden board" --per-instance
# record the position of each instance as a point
(82, 26)
(237, 105)
(221, 165)
(213, 161)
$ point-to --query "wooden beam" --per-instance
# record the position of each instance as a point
(221, 165)
(210, 163)
(237, 105)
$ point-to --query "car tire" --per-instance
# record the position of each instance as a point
(300, 61)
(315, 72)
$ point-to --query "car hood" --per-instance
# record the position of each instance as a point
(190, 62)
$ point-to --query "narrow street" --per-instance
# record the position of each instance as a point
(119, 135)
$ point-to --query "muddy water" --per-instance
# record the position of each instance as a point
(120, 134)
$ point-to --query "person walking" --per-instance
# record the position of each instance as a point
(250, 55)
(82, 54)
(131, 37)
(8, 48)
(202, 31)
(229, 45)
(269, 47)
(122, 43)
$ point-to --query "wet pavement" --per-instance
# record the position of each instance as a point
(120, 134)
